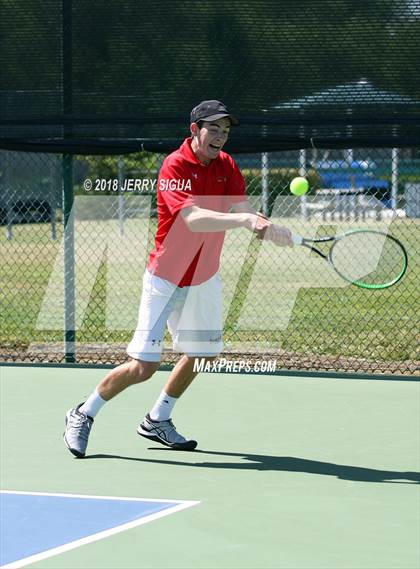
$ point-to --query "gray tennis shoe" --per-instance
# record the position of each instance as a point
(78, 426)
(164, 432)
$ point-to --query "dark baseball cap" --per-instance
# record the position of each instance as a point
(211, 111)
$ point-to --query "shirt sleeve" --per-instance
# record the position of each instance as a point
(174, 186)
(236, 187)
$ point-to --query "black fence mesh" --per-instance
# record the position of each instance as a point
(329, 90)
(102, 77)
(282, 304)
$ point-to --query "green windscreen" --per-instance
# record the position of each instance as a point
(109, 77)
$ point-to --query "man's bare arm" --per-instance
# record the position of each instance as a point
(278, 234)
(203, 220)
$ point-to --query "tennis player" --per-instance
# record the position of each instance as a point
(201, 194)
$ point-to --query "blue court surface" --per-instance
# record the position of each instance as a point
(34, 526)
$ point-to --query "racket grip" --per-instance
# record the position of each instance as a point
(297, 239)
(260, 233)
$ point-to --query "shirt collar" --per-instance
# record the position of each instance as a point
(188, 153)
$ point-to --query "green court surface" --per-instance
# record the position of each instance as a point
(291, 472)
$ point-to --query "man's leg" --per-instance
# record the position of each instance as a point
(79, 420)
(144, 349)
(182, 375)
(178, 381)
(196, 328)
(157, 425)
(121, 377)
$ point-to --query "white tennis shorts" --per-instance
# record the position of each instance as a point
(193, 315)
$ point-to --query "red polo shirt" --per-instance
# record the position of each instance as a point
(181, 256)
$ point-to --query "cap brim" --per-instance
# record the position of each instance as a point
(233, 120)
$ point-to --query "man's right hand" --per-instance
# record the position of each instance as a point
(256, 223)
(265, 229)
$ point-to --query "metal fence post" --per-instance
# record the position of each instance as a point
(303, 173)
(68, 190)
(121, 199)
(394, 179)
(264, 183)
(69, 273)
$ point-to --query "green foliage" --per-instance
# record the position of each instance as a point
(133, 165)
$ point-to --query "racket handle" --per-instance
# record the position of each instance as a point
(297, 239)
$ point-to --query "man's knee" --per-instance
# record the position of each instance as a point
(141, 370)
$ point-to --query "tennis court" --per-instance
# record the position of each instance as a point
(290, 472)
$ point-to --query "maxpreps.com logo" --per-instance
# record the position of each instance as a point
(174, 185)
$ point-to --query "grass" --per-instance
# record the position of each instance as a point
(286, 301)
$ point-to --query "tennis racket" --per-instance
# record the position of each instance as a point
(365, 258)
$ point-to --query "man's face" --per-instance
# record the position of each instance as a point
(209, 140)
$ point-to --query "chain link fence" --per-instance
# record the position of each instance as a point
(282, 304)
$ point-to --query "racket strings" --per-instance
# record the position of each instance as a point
(368, 258)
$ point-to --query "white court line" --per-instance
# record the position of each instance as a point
(177, 507)
(92, 497)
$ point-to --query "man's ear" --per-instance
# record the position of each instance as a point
(194, 129)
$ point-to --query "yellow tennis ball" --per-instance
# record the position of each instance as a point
(299, 186)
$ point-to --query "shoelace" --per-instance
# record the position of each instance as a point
(166, 428)
(82, 424)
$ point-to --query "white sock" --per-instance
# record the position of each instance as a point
(163, 407)
(93, 404)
